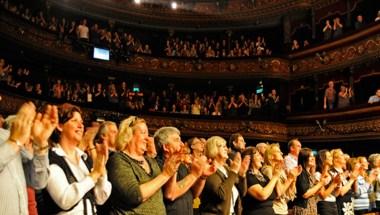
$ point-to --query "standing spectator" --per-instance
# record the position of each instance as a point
(295, 45)
(327, 203)
(306, 202)
(338, 28)
(23, 162)
(329, 97)
(291, 160)
(285, 186)
(58, 89)
(262, 148)
(223, 189)
(232, 107)
(261, 189)
(187, 183)
(242, 105)
(136, 178)
(83, 35)
(378, 16)
(345, 192)
(83, 31)
(374, 160)
(344, 96)
(375, 98)
(74, 184)
(359, 23)
(327, 31)
(364, 187)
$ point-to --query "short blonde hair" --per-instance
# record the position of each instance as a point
(126, 130)
(372, 159)
(271, 149)
(212, 145)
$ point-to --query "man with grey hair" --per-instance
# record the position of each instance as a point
(107, 134)
(186, 184)
(262, 147)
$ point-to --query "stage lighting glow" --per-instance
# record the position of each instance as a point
(174, 5)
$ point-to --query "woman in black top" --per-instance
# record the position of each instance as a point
(305, 203)
(260, 195)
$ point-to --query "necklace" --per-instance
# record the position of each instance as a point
(139, 162)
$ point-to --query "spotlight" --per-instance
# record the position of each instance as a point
(137, 1)
(174, 5)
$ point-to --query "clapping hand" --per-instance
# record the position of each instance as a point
(244, 165)
(43, 126)
(208, 166)
(22, 124)
(171, 165)
(295, 172)
(236, 163)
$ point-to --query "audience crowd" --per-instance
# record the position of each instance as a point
(123, 44)
(52, 164)
(119, 96)
(334, 30)
(244, 47)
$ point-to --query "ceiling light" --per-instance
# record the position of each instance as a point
(137, 1)
(174, 5)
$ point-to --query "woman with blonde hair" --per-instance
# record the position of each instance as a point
(285, 186)
(363, 186)
(345, 192)
(223, 189)
(136, 178)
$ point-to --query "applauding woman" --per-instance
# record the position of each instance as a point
(136, 178)
(220, 195)
(261, 189)
(74, 184)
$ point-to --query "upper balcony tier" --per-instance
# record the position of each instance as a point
(194, 15)
(357, 48)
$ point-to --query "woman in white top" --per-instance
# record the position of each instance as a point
(73, 185)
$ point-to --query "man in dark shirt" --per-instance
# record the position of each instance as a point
(236, 144)
(187, 183)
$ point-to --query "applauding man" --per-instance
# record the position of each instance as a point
(23, 157)
(188, 182)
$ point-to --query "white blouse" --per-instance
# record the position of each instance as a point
(67, 195)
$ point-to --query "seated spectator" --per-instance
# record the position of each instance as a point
(359, 22)
(375, 98)
(327, 30)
